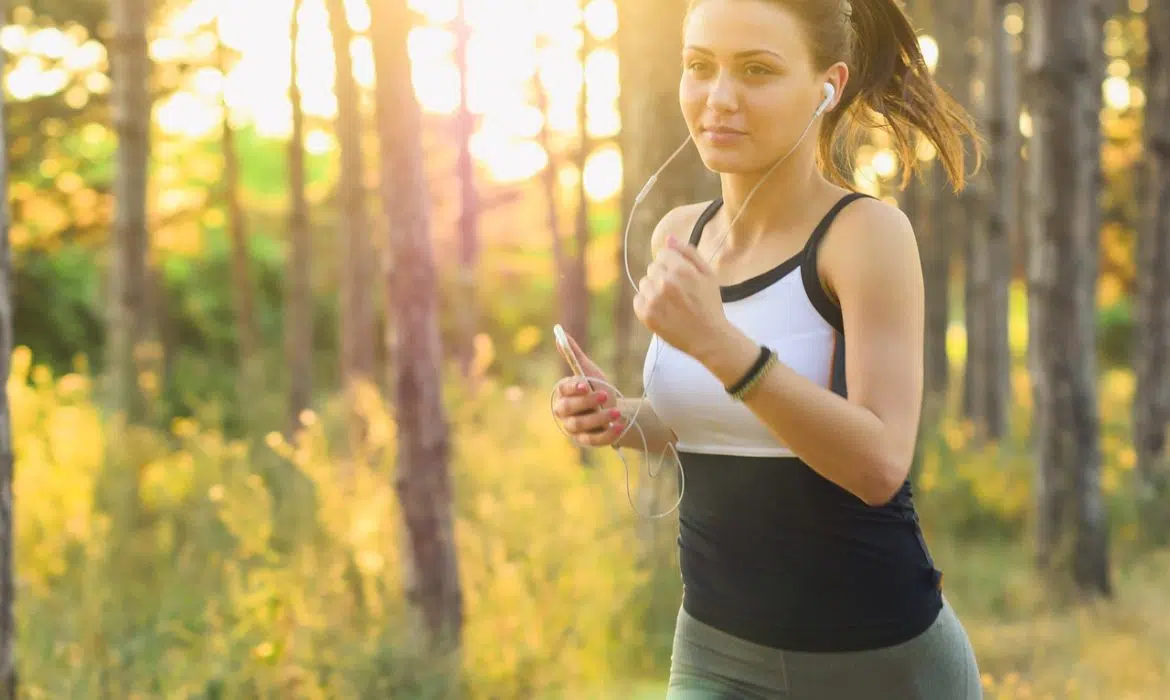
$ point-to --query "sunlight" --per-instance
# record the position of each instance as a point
(511, 43)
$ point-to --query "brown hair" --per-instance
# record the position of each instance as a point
(888, 78)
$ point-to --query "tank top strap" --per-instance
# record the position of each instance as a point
(808, 268)
(704, 219)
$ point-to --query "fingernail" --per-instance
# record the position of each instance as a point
(581, 386)
(615, 413)
(602, 396)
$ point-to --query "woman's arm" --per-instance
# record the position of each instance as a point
(865, 443)
(658, 435)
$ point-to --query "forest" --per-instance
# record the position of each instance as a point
(278, 280)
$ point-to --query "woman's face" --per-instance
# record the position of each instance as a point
(748, 87)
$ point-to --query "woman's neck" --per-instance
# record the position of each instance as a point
(780, 203)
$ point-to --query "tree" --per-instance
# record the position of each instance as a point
(990, 265)
(423, 481)
(1151, 404)
(298, 334)
(465, 123)
(357, 264)
(7, 539)
(1064, 67)
(248, 333)
(128, 280)
(649, 50)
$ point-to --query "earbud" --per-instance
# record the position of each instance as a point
(830, 93)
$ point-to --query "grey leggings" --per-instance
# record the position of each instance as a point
(938, 664)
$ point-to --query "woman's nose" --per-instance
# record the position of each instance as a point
(722, 95)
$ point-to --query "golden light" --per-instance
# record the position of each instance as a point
(885, 163)
(929, 48)
(1013, 21)
(1116, 92)
(512, 43)
(1025, 124)
(603, 174)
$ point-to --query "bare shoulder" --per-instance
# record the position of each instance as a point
(677, 222)
(871, 243)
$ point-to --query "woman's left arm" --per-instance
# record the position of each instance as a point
(863, 443)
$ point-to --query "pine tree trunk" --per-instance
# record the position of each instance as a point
(1064, 74)
(128, 316)
(649, 46)
(247, 334)
(7, 529)
(357, 267)
(577, 313)
(468, 201)
(991, 265)
(298, 332)
(423, 481)
(1151, 404)
(936, 239)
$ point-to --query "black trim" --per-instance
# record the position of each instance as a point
(806, 256)
(825, 306)
(839, 385)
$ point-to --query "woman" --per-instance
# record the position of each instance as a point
(787, 366)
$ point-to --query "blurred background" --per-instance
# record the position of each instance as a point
(279, 281)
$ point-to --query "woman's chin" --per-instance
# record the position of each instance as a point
(726, 163)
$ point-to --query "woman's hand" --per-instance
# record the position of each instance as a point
(679, 300)
(587, 411)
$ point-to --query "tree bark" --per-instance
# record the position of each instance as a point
(247, 334)
(423, 482)
(1151, 403)
(129, 327)
(991, 263)
(649, 48)
(7, 530)
(298, 332)
(468, 200)
(357, 268)
(1065, 63)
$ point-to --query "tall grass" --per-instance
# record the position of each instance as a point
(181, 564)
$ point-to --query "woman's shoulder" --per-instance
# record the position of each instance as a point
(869, 234)
(678, 222)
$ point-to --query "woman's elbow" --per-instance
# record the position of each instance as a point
(884, 480)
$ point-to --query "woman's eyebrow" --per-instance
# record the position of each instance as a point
(741, 54)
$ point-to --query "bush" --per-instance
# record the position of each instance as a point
(186, 564)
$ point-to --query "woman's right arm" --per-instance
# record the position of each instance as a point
(657, 435)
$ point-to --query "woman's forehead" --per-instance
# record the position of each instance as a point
(736, 27)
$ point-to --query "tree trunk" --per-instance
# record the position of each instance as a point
(468, 200)
(649, 46)
(298, 332)
(989, 361)
(1151, 403)
(247, 334)
(423, 482)
(7, 530)
(357, 267)
(577, 311)
(1064, 71)
(129, 326)
(936, 239)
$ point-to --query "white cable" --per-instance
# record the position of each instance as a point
(632, 420)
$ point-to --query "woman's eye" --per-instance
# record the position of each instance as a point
(757, 69)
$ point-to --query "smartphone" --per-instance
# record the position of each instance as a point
(567, 351)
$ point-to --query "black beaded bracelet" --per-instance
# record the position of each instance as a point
(749, 378)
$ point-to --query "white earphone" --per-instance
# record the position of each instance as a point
(830, 93)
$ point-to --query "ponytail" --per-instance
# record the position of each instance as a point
(889, 79)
